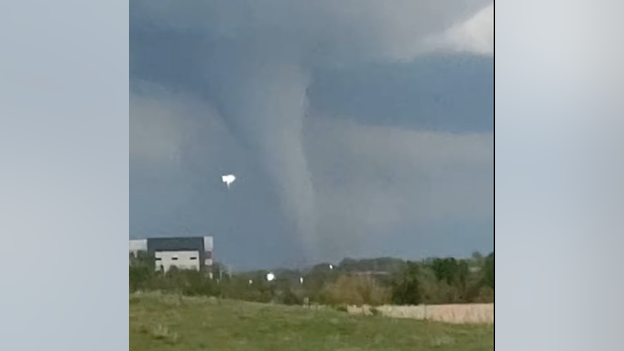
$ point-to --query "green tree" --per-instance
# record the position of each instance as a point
(488, 271)
(406, 287)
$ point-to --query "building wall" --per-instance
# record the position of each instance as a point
(182, 252)
(207, 255)
(180, 259)
(138, 245)
(208, 243)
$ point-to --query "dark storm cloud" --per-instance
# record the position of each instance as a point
(253, 65)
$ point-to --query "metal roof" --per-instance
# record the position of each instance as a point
(177, 244)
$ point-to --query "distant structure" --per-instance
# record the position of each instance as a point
(180, 252)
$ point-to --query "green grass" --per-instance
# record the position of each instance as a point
(167, 322)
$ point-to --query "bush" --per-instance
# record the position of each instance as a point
(342, 308)
(288, 297)
(406, 287)
(355, 290)
(486, 295)
(140, 278)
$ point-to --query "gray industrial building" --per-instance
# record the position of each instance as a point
(181, 252)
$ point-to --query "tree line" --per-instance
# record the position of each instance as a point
(355, 282)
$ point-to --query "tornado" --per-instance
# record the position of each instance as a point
(263, 102)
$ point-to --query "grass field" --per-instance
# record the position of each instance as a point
(166, 322)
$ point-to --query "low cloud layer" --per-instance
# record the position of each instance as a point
(373, 181)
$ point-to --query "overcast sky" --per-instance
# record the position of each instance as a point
(355, 128)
